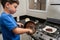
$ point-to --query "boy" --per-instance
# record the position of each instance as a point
(10, 30)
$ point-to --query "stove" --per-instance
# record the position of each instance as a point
(41, 34)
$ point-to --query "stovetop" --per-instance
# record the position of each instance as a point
(40, 26)
(53, 24)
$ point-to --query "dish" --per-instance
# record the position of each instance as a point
(49, 29)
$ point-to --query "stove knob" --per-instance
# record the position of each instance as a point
(51, 39)
(40, 30)
(57, 32)
(41, 34)
(37, 32)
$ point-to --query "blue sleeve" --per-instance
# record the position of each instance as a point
(0, 20)
(9, 23)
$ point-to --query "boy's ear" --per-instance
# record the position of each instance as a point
(7, 4)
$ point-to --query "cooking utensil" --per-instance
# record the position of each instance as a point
(30, 25)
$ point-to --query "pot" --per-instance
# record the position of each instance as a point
(30, 25)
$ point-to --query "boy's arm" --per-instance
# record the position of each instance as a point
(12, 26)
(18, 30)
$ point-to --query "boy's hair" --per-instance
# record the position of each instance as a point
(3, 2)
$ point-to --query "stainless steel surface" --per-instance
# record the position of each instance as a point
(40, 34)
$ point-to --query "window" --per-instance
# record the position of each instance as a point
(40, 5)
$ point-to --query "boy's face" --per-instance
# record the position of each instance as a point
(12, 7)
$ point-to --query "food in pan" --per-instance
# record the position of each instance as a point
(49, 29)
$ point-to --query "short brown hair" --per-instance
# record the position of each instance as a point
(3, 2)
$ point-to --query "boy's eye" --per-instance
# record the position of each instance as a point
(15, 6)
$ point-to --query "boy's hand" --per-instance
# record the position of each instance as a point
(30, 32)
(20, 25)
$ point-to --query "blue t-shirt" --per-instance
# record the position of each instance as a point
(7, 25)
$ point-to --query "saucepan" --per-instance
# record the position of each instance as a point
(30, 25)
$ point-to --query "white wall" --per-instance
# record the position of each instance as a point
(38, 14)
(54, 10)
(21, 10)
(1, 9)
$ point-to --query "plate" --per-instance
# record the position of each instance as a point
(50, 29)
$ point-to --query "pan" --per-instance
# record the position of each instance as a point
(30, 25)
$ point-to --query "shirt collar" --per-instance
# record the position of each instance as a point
(7, 13)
